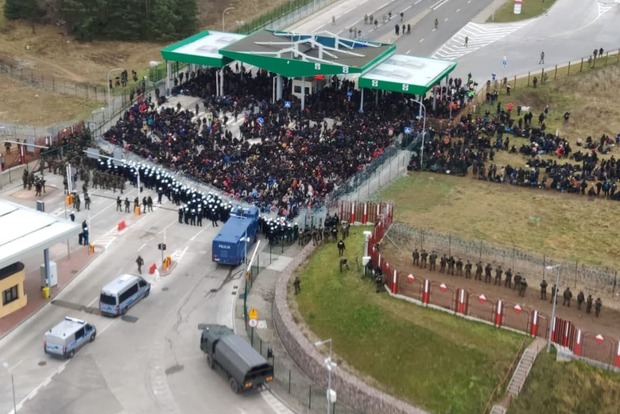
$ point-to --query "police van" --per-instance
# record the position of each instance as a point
(68, 336)
(122, 293)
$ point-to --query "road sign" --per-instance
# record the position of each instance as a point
(407, 130)
(287, 104)
(253, 323)
(260, 121)
(253, 313)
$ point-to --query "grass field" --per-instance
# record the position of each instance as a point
(529, 9)
(567, 388)
(430, 358)
(570, 227)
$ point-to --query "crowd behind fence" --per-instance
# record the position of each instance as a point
(599, 282)
(601, 350)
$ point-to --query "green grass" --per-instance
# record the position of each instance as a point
(570, 227)
(441, 362)
(529, 9)
(567, 388)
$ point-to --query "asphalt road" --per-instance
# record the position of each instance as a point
(420, 14)
(148, 361)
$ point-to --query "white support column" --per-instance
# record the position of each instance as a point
(278, 87)
(168, 75)
(303, 93)
(362, 100)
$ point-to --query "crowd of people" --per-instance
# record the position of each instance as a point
(470, 146)
(283, 157)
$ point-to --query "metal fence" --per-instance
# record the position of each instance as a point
(50, 83)
(284, 15)
(597, 281)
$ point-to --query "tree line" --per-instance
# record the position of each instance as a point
(130, 20)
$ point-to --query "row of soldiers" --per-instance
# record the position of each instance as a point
(29, 180)
(325, 234)
(456, 267)
(567, 297)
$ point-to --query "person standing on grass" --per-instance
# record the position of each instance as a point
(542, 58)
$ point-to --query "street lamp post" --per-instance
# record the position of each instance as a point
(330, 365)
(227, 9)
(423, 130)
(109, 105)
(7, 367)
(554, 298)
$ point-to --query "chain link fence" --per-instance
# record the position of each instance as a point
(597, 281)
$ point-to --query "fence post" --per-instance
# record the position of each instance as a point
(581, 66)
(528, 79)
(310, 397)
(568, 74)
(450, 244)
(289, 381)
(480, 255)
(555, 74)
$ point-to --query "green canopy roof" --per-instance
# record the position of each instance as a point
(201, 49)
(299, 55)
(406, 74)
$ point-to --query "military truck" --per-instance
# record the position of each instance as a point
(244, 367)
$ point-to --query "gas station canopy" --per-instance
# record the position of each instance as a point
(301, 55)
(201, 49)
(407, 74)
(26, 231)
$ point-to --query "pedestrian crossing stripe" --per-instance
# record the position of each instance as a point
(478, 36)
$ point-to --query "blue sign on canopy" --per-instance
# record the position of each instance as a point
(407, 130)
(260, 120)
(287, 104)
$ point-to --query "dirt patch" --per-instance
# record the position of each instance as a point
(606, 324)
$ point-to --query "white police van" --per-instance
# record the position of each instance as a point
(122, 293)
(68, 336)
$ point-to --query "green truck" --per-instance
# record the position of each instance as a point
(244, 367)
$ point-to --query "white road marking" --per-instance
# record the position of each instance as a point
(178, 254)
(405, 9)
(439, 4)
(479, 36)
(198, 234)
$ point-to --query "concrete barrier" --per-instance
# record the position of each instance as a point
(350, 390)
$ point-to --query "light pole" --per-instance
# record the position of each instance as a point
(423, 131)
(109, 105)
(330, 365)
(227, 9)
(554, 298)
(7, 367)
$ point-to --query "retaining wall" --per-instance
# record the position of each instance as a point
(350, 390)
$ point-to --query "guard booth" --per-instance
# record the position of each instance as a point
(312, 85)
